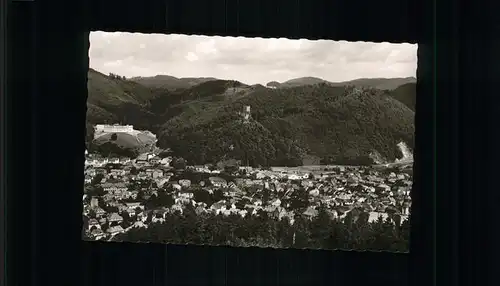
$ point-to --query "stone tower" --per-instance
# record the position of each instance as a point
(246, 112)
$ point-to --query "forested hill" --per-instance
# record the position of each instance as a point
(202, 123)
(378, 83)
(337, 124)
(407, 94)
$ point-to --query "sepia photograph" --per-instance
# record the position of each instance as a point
(249, 142)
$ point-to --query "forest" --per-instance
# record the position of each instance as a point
(322, 232)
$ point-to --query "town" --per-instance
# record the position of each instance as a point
(124, 193)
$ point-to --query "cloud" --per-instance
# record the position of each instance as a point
(250, 60)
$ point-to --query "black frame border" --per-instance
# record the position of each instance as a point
(52, 41)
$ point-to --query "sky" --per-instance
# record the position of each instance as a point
(249, 60)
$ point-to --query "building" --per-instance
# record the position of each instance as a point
(94, 202)
(115, 230)
(114, 187)
(114, 217)
(103, 128)
(218, 182)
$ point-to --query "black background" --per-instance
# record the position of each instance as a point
(47, 58)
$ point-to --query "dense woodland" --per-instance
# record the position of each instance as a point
(233, 230)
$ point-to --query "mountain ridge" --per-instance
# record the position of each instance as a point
(285, 125)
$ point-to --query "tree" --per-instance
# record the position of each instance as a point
(149, 218)
(301, 233)
(90, 134)
(262, 231)
(299, 200)
(218, 195)
(105, 226)
(320, 227)
(85, 221)
(231, 169)
(165, 200)
(134, 171)
(203, 196)
(240, 204)
(266, 193)
(179, 164)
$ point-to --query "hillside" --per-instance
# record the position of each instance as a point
(339, 125)
(406, 94)
(106, 91)
(113, 100)
(215, 91)
(378, 83)
(170, 83)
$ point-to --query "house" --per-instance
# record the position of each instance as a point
(199, 210)
(185, 183)
(257, 202)
(186, 194)
(142, 158)
(88, 179)
(276, 203)
(97, 234)
(114, 217)
(382, 188)
(176, 208)
(122, 208)
(93, 222)
(117, 172)
(374, 216)
(142, 216)
(166, 161)
(115, 188)
(91, 172)
(140, 224)
(157, 174)
(130, 212)
(154, 160)
(134, 205)
(115, 230)
(160, 182)
(260, 175)
(149, 172)
(99, 212)
(314, 192)
(311, 212)
(218, 181)
(101, 171)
